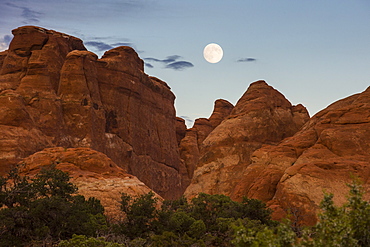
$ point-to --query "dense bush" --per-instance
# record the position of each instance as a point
(206, 220)
(83, 241)
(45, 209)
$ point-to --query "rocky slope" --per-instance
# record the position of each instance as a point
(55, 93)
(92, 172)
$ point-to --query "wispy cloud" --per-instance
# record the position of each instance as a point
(248, 59)
(104, 46)
(123, 44)
(29, 15)
(149, 65)
(188, 121)
(100, 46)
(167, 60)
(4, 42)
(170, 62)
(180, 65)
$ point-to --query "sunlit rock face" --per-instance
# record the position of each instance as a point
(261, 116)
(330, 151)
(92, 172)
(55, 93)
(269, 150)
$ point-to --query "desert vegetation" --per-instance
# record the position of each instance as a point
(47, 211)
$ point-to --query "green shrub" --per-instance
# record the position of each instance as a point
(83, 241)
(44, 208)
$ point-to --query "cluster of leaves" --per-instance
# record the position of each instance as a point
(206, 221)
(45, 209)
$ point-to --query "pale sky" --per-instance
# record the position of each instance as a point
(314, 52)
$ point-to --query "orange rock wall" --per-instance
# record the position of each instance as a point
(55, 93)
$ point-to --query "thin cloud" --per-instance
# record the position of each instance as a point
(29, 15)
(100, 46)
(103, 46)
(148, 65)
(4, 42)
(7, 39)
(169, 59)
(170, 62)
(180, 65)
(123, 44)
(248, 59)
(152, 59)
(187, 119)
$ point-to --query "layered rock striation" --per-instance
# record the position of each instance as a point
(53, 92)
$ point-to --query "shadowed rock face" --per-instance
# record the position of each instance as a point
(261, 116)
(92, 172)
(191, 144)
(55, 93)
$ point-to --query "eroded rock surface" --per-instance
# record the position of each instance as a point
(261, 116)
(191, 144)
(330, 151)
(92, 172)
(55, 93)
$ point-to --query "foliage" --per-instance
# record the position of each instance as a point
(83, 241)
(45, 209)
(139, 214)
(205, 221)
(253, 235)
(348, 225)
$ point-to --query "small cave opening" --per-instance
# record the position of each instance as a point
(111, 124)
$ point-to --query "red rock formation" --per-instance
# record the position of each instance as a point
(331, 149)
(261, 116)
(191, 144)
(92, 172)
(180, 129)
(55, 93)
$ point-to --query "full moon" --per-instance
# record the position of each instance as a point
(213, 53)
